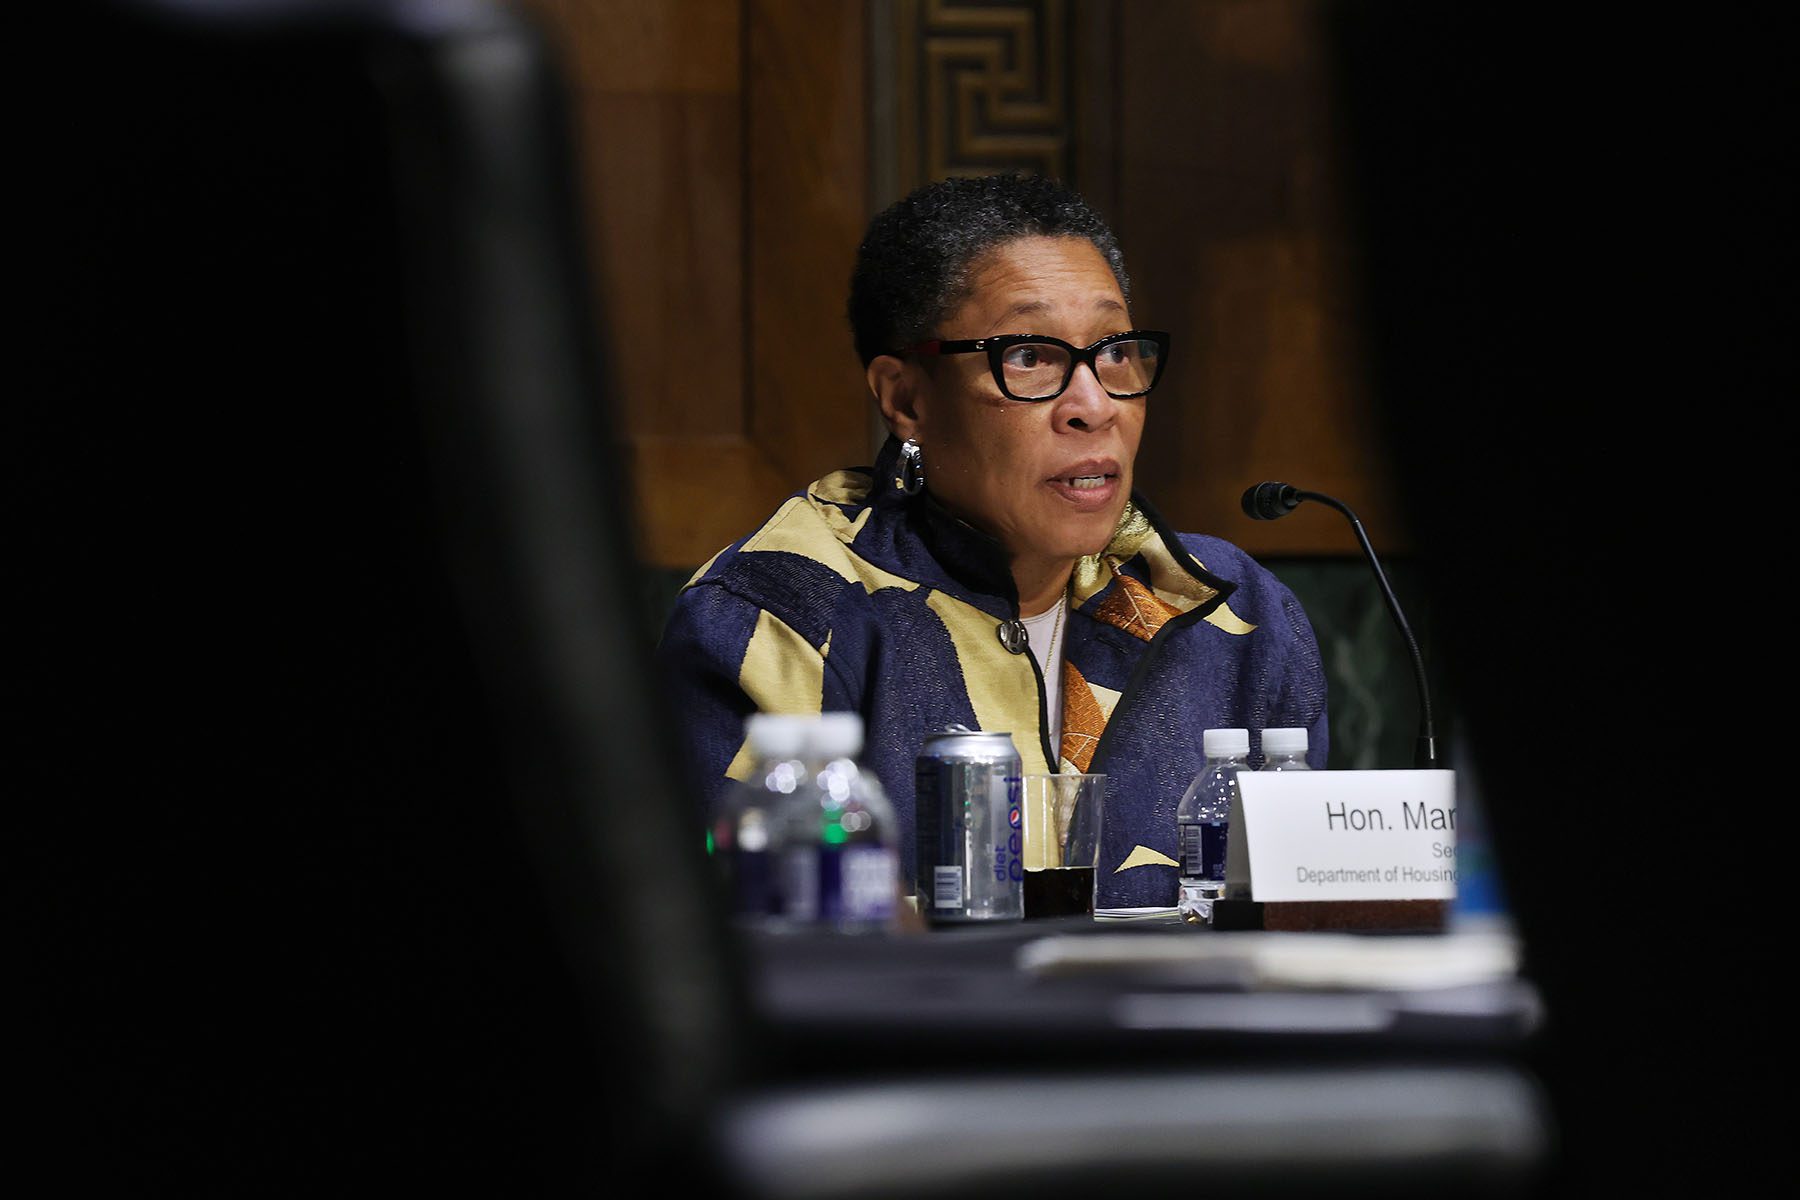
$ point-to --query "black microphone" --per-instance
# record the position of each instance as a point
(1269, 501)
(1266, 501)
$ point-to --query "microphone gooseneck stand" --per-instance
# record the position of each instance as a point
(1271, 501)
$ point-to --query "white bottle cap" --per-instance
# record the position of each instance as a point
(775, 735)
(836, 735)
(1225, 743)
(1284, 741)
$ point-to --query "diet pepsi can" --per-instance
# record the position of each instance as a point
(969, 826)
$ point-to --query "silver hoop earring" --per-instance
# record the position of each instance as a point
(911, 477)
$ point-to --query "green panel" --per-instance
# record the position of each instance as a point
(1373, 700)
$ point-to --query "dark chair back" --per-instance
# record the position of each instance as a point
(336, 632)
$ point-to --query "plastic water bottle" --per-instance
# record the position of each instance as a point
(1203, 822)
(858, 859)
(744, 830)
(1284, 750)
(799, 819)
(835, 836)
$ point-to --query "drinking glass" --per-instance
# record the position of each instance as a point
(1063, 815)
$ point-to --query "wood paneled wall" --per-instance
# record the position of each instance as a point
(1226, 200)
(734, 150)
(724, 152)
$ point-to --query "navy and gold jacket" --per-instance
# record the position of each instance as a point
(853, 597)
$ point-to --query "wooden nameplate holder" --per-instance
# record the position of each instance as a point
(1350, 916)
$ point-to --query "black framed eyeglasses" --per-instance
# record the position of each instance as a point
(1036, 366)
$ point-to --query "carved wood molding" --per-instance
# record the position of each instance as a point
(981, 88)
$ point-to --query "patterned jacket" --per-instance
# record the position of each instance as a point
(855, 598)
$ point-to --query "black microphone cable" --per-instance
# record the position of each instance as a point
(1271, 501)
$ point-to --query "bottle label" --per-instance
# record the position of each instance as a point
(1213, 838)
(866, 883)
(1203, 850)
(753, 890)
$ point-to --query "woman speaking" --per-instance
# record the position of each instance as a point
(995, 568)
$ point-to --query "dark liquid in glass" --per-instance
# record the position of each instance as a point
(1059, 892)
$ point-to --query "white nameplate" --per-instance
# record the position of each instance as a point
(1350, 835)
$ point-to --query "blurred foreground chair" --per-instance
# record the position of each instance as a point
(339, 653)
